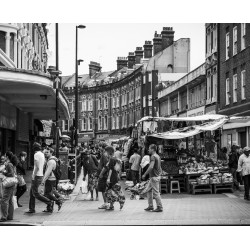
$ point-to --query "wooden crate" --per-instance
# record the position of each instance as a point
(223, 187)
(201, 188)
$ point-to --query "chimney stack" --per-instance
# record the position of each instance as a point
(138, 55)
(131, 60)
(94, 67)
(121, 62)
(167, 35)
(157, 42)
(148, 49)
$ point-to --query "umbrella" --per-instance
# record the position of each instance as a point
(65, 137)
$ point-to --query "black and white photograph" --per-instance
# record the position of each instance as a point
(110, 121)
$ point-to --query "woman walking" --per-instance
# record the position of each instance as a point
(7, 207)
(21, 185)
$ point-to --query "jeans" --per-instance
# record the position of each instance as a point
(234, 174)
(153, 190)
(7, 206)
(246, 185)
(50, 191)
(34, 194)
(135, 176)
(20, 191)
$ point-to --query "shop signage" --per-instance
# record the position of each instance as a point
(196, 112)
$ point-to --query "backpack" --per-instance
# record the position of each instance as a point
(57, 171)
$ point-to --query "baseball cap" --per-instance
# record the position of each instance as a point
(246, 149)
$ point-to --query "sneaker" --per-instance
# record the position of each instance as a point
(30, 212)
(149, 209)
(110, 208)
(157, 210)
(104, 206)
(97, 199)
(3, 220)
(91, 199)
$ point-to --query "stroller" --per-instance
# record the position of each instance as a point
(137, 190)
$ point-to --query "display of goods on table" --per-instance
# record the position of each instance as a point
(65, 188)
(216, 179)
(227, 178)
(203, 179)
(170, 166)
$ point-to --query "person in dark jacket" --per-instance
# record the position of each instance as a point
(7, 206)
(21, 185)
(90, 168)
(233, 164)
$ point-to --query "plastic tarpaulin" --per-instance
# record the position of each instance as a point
(191, 131)
(193, 118)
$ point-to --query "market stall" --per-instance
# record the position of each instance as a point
(184, 170)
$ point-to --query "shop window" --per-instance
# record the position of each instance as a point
(243, 84)
(227, 46)
(227, 92)
(235, 40)
(235, 88)
(243, 36)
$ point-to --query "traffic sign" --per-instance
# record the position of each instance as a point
(57, 82)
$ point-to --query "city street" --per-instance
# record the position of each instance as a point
(179, 209)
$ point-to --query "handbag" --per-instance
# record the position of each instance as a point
(20, 180)
(9, 182)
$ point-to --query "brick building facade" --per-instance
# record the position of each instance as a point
(234, 80)
(122, 97)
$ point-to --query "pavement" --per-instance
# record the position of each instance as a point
(179, 209)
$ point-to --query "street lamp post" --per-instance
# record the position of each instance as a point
(76, 85)
(55, 72)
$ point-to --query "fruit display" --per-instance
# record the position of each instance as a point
(203, 179)
(227, 178)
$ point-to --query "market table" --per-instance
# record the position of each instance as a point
(190, 177)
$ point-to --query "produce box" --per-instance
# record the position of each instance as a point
(215, 180)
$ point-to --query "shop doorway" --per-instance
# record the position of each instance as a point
(243, 139)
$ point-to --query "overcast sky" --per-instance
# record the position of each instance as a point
(104, 42)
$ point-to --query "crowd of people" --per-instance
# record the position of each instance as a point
(12, 168)
(103, 164)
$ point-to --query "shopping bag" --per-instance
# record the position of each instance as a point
(14, 202)
(84, 187)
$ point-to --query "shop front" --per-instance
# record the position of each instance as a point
(25, 96)
(188, 171)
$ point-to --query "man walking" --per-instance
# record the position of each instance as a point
(153, 188)
(244, 169)
(49, 179)
(134, 162)
(37, 178)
